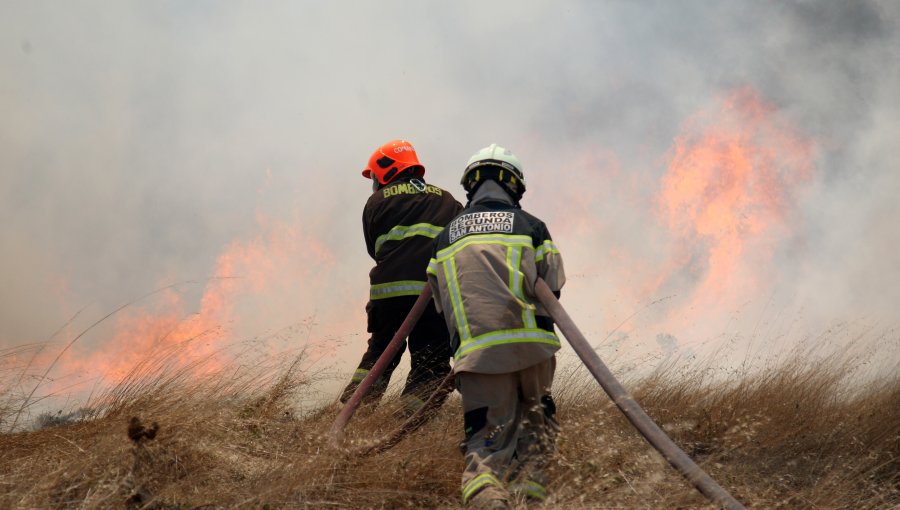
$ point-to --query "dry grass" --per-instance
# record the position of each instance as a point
(796, 435)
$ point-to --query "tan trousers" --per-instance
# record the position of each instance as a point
(510, 430)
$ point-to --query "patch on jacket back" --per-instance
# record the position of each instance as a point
(489, 222)
(409, 188)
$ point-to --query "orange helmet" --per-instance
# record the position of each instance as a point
(390, 159)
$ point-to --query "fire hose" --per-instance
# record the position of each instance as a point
(674, 455)
(643, 423)
(416, 420)
(337, 428)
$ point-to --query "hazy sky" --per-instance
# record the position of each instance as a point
(141, 142)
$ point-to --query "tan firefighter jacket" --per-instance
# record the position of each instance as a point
(400, 222)
(483, 270)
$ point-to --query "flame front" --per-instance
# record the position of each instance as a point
(727, 199)
(278, 272)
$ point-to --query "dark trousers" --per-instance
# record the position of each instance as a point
(429, 347)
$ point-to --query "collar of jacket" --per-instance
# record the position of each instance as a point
(491, 191)
(403, 178)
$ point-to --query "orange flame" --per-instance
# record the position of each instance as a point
(727, 197)
(252, 281)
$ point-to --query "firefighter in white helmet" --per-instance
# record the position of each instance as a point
(400, 220)
(483, 271)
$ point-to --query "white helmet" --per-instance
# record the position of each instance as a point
(496, 163)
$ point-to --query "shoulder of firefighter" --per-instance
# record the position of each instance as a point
(400, 222)
(483, 270)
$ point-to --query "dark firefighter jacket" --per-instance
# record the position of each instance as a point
(400, 222)
(483, 270)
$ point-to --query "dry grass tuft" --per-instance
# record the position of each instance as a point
(800, 434)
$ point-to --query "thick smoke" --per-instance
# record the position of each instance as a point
(142, 142)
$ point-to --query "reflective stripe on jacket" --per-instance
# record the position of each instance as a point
(482, 272)
(400, 222)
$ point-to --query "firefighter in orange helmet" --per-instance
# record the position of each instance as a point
(400, 220)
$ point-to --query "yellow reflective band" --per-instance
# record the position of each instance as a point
(506, 337)
(401, 232)
(528, 317)
(396, 289)
(513, 256)
(478, 483)
(462, 323)
(513, 262)
(359, 375)
(530, 489)
(546, 248)
(432, 267)
(501, 239)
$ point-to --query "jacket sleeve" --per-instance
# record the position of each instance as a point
(368, 229)
(431, 273)
(455, 208)
(548, 260)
